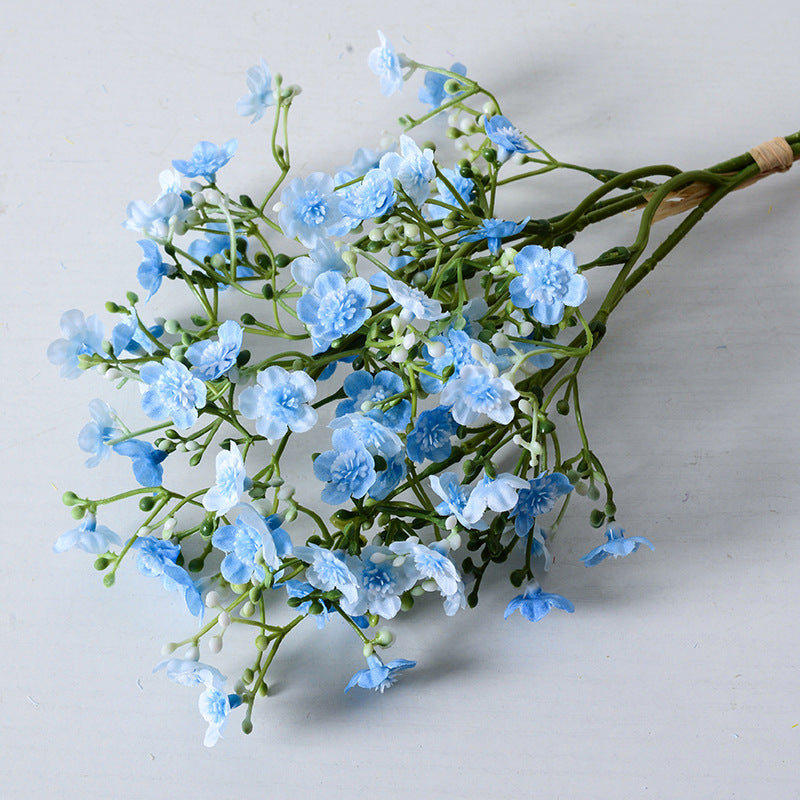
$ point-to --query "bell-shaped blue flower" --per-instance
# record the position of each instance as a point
(534, 604)
(206, 159)
(146, 460)
(379, 676)
(618, 545)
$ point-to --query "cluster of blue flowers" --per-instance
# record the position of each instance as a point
(448, 322)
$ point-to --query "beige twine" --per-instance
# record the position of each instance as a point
(772, 156)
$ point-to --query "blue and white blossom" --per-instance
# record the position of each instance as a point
(215, 706)
(146, 460)
(128, 335)
(413, 168)
(497, 494)
(387, 65)
(211, 360)
(388, 479)
(188, 672)
(348, 469)
(534, 604)
(416, 304)
(328, 570)
(309, 209)
(540, 497)
(231, 482)
(454, 498)
(95, 435)
(494, 230)
(618, 545)
(459, 350)
(361, 387)
(246, 541)
(259, 95)
(479, 390)
(380, 583)
(324, 257)
(158, 219)
(87, 536)
(433, 92)
(207, 158)
(279, 402)
(373, 196)
(464, 187)
(82, 336)
(371, 431)
(431, 436)
(508, 139)
(152, 267)
(379, 676)
(431, 563)
(172, 393)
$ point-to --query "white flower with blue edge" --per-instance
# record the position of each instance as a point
(146, 460)
(498, 494)
(413, 168)
(431, 563)
(88, 536)
(188, 672)
(618, 545)
(328, 570)
(231, 481)
(156, 219)
(414, 301)
(431, 435)
(378, 438)
(380, 583)
(362, 387)
(152, 268)
(387, 65)
(494, 230)
(373, 196)
(259, 96)
(248, 538)
(348, 469)
(324, 257)
(455, 497)
(479, 390)
(538, 498)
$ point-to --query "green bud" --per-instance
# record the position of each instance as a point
(70, 498)
(247, 319)
(517, 577)
(133, 298)
(453, 133)
(282, 260)
(263, 690)
(593, 493)
(246, 201)
(242, 358)
(373, 619)
(268, 291)
(112, 307)
(101, 563)
(406, 602)
(262, 643)
(316, 608)
(196, 564)
(172, 326)
(248, 609)
(562, 406)
(108, 580)
(146, 503)
(610, 510)
(597, 518)
(490, 154)
(196, 458)
(247, 726)
(177, 352)
(546, 426)
(78, 512)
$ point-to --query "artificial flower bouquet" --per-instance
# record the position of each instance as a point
(426, 351)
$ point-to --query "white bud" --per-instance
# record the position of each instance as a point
(525, 407)
(212, 196)
(476, 351)
(192, 445)
(429, 585)
(451, 522)
(384, 638)
(378, 558)
(278, 207)
(418, 591)
(465, 125)
(399, 355)
(397, 326)
(198, 200)
(375, 235)
(452, 119)
(454, 540)
(410, 230)
(112, 373)
(215, 644)
(169, 526)
(409, 340)
(500, 340)
(368, 650)
(168, 649)
(212, 599)
(436, 349)
(286, 491)
(145, 530)
(461, 144)
(489, 108)
(224, 619)
(518, 440)
(192, 653)
(525, 328)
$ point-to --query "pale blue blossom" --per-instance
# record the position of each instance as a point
(173, 393)
(433, 92)
(324, 257)
(95, 435)
(259, 92)
(348, 469)
(617, 545)
(334, 308)
(364, 160)
(128, 335)
(87, 536)
(146, 460)
(156, 219)
(507, 138)
(188, 672)
(465, 188)
(547, 282)
(459, 352)
(379, 676)
(388, 479)
(328, 570)
(497, 494)
(279, 402)
(454, 498)
(248, 538)
(493, 230)
(539, 498)
(231, 481)
(431, 563)
(431, 435)
(215, 706)
(373, 196)
(413, 168)
(414, 301)
(210, 360)
(152, 268)
(387, 65)
(534, 604)
(170, 182)
(81, 337)
(378, 438)
(207, 159)
(476, 391)
(362, 387)
(380, 583)
(309, 208)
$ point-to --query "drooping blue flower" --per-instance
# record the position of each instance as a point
(493, 230)
(259, 95)
(231, 481)
(348, 469)
(432, 91)
(334, 308)
(431, 435)
(413, 168)
(279, 402)
(127, 335)
(454, 497)
(372, 197)
(431, 563)
(324, 257)
(146, 460)
(539, 498)
(152, 269)
(379, 676)
(243, 541)
(465, 188)
(380, 583)
(478, 390)
(459, 350)
(507, 138)
(328, 570)
(534, 604)
(155, 219)
(362, 387)
(371, 430)
(309, 208)
(617, 545)
(364, 159)
(387, 65)
(188, 672)
(498, 494)
(95, 435)
(216, 241)
(81, 337)
(388, 479)
(174, 392)
(156, 559)
(206, 159)
(414, 302)
(88, 536)
(211, 360)
(215, 706)
(548, 281)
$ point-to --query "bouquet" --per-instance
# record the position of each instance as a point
(421, 353)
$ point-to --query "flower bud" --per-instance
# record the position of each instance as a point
(192, 653)
(212, 599)
(224, 620)
(215, 644)
(384, 638)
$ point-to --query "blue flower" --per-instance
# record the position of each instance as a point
(348, 469)
(379, 676)
(157, 218)
(174, 392)
(361, 387)
(413, 168)
(243, 541)
(386, 64)
(431, 563)
(431, 435)
(497, 494)
(207, 158)
(493, 230)
(364, 160)
(334, 308)
(309, 208)
(388, 479)
(454, 497)
(147, 460)
(372, 197)
(82, 337)
(231, 481)
(152, 269)
(187, 672)
(380, 583)
(95, 435)
(476, 391)
(370, 430)
(211, 360)
(548, 281)
(88, 536)
(458, 353)
(507, 138)
(129, 336)
(534, 604)
(539, 498)
(156, 559)
(617, 545)
(259, 96)
(279, 402)
(215, 706)
(415, 302)
(324, 257)
(433, 92)
(328, 570)
(465, 188)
